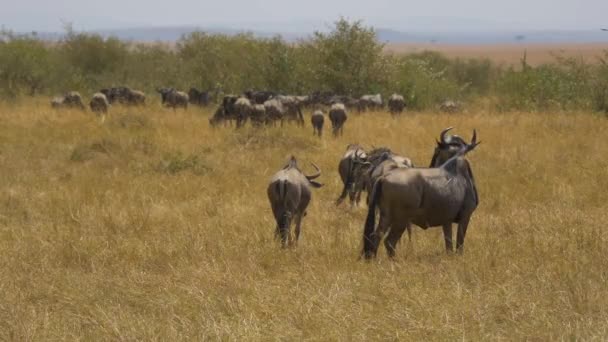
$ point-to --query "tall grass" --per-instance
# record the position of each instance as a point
(163, 232)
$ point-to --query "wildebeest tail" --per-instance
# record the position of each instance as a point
(370, 222)
(285, 216)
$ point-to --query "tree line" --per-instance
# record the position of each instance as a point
(347, 60)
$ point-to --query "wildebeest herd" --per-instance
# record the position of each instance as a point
(401, 193)
(261, 108)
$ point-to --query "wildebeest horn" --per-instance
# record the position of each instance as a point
(311, 177)
(474, 139)
(443, 133)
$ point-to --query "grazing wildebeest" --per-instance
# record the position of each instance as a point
(173, 98)
(370, 102)
(198, 97)
(258, 115)
(396, 104)
(218, 117)
(426, 197)
(317, 119)
(125, 96)
(450, 106)
(348, 173)
(99, 104)
(71, 99)
(289, 193)
(337, 116)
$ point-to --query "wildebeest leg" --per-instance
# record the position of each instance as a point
(298, 225)
(447, 236)
(393, 238)
(383, 226)
(462, 232)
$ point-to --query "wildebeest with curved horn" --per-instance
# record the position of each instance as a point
(317, 119)
(337, 116)
(289, 193)
(426, 197)
(347, 171)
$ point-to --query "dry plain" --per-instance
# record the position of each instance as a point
(153, 226)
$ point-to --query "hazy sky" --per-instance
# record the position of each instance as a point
(47, 15)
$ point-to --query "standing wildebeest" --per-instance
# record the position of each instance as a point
(396, 104)
(292, 110)
(199, 98)
(99, 104)
(242, 108)
(370, 102)
(289, 193)
(337, 116)
(348, 173)
(258, 115)
(317, 119)
(259, 97)
(71, 99)
(173, 98)
(425, 197)
(274, 111)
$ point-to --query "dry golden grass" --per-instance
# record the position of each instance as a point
(509, 54)
(153, 226)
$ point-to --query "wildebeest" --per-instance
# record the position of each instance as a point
(99, 104)
(71, 99)
(426, 197)
(292, 110)
(337, 116)
(450, 106)
(274, 111)
(289, 193)
(242, 109)
(396, 104)
(347, 168)
(259, 97)
(124, 95)
(198, 97)
(173, 98)
(317, 119)
(370, 102)
(258, 115)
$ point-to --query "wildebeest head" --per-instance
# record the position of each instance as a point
(164, 92)
(450, 145)
(293, 163)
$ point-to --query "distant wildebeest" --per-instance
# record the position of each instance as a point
(199, 98)
(317, 119)
(292, 110)
(274, 111)
(124, 96)
(71, 99)
(289, 193)
(396, 104)
(242, 108)
(347, 169)
(173, 98)
(337, 116)
(258, 115)
(259, 97)
(426, 197)
(99, 104)
(370, 102)
(450, 106)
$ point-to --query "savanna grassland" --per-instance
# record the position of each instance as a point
(153, 226)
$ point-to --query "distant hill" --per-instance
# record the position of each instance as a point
(170, 34)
